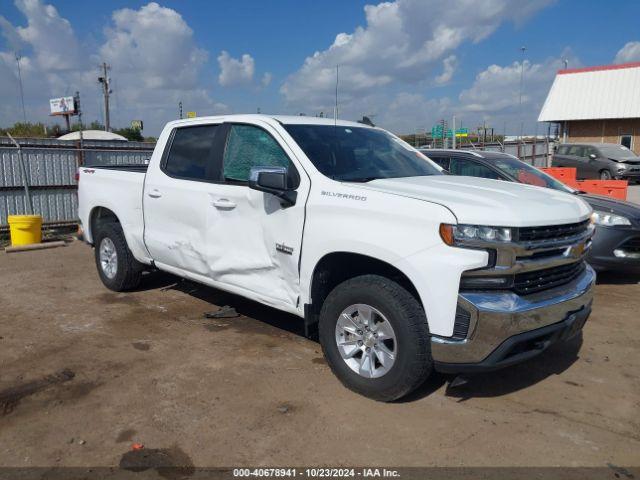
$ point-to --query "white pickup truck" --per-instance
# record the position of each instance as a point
(401, 268)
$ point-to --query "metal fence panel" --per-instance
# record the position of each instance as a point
(51, 166)
(55, 205)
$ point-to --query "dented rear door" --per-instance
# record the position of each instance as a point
(176, 197)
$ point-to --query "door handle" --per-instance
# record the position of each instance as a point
(223, 203)
(155, 193)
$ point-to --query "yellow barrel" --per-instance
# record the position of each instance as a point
(25, 229)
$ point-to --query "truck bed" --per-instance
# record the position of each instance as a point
(130, 167)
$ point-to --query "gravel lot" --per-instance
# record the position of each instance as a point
(87, 372)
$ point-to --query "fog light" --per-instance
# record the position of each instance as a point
(618, 252)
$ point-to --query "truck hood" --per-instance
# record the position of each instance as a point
(482, 201)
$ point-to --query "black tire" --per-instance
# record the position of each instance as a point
(413, 363)
(129, 271)
(605, 175)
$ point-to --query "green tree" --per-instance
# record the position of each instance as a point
(28, 129)
(129, 133)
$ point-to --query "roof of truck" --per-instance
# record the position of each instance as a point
(283, 119)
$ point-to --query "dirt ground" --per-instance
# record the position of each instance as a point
(85, 373)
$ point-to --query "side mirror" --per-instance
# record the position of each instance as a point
(273, 180)
(593, 156)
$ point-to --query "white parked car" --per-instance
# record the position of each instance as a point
(402, 269)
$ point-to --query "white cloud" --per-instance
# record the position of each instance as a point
(629, 53)
(495, 92)
(411, 112)
(156, 45)
(235, 71)
(449, 66)
(155, 63)
(51, 37)
(401, 42)
(266, 79)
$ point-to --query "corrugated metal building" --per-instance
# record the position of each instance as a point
(596, 104)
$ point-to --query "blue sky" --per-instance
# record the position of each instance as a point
(406, 63)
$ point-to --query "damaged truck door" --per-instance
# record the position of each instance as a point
(202, 217)
(254, 238)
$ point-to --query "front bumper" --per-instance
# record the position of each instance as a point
(606, 240)
(506, 328)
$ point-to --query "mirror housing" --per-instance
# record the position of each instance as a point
(273, 180)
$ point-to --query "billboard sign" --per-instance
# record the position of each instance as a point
(63, 106)
(191, 115)
(137, 124)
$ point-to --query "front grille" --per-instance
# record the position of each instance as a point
(552, 232)
(536, 281)
(632, 245)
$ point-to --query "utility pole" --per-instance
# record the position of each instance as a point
(79, 110)
(521, 88)
(180, 109)
(453, 132)
(106, 90)
(24, 113)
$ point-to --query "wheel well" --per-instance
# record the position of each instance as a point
(100, 216)
(338, 267)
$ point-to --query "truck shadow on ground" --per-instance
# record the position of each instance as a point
(218, 298)
(617, 278)
(554, 361)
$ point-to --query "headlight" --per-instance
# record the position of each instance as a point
(607, 219)
(454, 234)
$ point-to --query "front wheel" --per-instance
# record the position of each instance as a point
(117, 268)
(605, 175)
(375, 337)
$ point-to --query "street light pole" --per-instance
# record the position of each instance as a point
(24, 113)
(521, 89)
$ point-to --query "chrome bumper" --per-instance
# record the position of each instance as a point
(504, 319)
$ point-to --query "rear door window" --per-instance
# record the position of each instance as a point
(192, 155)
(471, 168)
(440, 160)
(590, 151)
(576, 150)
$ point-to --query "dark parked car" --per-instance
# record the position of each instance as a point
(616, 242)
(603, 161)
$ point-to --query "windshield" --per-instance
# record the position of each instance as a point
(617, 152)
(525, 173)
(359, 154)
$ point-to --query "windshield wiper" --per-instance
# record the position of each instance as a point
(360, 180)
(579, 192)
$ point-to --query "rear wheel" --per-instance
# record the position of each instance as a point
(375, 337)
(605, 175)
(117, 268)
